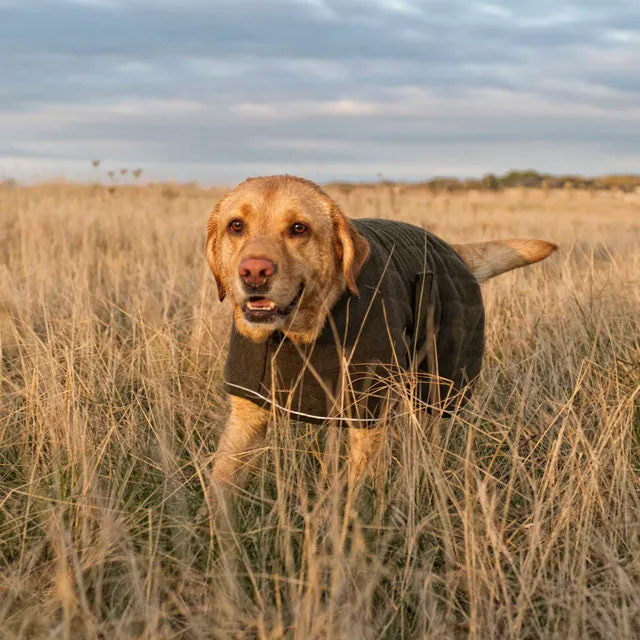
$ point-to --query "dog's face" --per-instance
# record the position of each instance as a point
(283, 252)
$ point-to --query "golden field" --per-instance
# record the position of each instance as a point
(520, 518)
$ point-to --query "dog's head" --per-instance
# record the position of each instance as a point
(283, 252)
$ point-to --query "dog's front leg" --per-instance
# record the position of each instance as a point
(364, 455)
(240, 446)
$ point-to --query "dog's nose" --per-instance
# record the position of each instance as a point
(255, 272)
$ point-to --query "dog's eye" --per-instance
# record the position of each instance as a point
(235, 226)
(299, 229)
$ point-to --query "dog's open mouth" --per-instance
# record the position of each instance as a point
(263, 309)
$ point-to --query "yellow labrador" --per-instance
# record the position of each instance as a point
(327, 310)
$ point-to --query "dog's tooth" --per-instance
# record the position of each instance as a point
(261, 307)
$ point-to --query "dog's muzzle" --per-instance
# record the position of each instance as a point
(263, 309)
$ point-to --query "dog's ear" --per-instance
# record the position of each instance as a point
(211, 251)
(351, 249)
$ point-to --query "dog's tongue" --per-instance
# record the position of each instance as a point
(261, 303)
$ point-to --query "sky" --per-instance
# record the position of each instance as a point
(214, 91)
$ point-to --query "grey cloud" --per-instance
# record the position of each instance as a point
(278, 52)
(206, 140)
(287, 28)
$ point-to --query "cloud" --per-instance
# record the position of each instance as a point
(306, 109)
(327, 86)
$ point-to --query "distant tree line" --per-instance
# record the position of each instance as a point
(525, 179)
(528, 179)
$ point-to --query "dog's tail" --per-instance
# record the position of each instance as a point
(489, 259)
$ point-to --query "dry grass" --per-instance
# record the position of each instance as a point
(520, 519)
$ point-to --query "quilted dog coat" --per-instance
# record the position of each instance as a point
(416, 330)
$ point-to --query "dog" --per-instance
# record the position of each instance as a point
(327, 310)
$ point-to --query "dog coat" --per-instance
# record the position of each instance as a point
(416, 331)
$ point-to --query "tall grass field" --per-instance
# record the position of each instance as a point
(519, 518)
